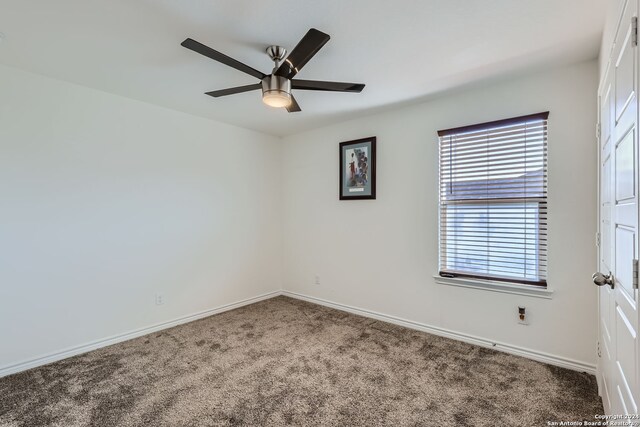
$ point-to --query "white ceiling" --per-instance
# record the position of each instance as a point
(405, 50)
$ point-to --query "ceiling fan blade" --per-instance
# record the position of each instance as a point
(310, 44)
(232, 90)
(221, 57)
(293, 107)
(327, 86)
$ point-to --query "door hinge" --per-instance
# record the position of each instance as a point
(599, 353)
(635, 274)
(598, 239)
(634, 31)
(598, 131)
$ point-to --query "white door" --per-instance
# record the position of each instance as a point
(618, 295)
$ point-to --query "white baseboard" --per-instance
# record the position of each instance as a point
(94, 345)
(507, 348)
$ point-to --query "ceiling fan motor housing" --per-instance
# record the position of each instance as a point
(276, 91)
(272, 83)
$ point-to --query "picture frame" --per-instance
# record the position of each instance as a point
(358, 169)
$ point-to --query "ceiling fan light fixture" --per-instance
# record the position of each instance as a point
(276, 91)
(276, 99)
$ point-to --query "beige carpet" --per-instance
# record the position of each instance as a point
(288, 362)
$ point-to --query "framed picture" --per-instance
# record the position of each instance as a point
(358, 169)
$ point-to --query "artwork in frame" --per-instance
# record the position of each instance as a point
(358, 169)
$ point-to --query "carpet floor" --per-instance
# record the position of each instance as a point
(288, 362)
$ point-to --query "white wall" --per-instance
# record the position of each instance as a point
(105, 202)
(381, 255)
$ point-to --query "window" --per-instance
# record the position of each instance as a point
(493, 200)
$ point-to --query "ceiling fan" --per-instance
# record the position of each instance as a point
(276, 87)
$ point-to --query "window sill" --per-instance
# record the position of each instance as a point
(493, 286)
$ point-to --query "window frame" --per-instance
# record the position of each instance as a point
(461, 276)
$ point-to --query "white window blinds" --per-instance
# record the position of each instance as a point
(493, 200)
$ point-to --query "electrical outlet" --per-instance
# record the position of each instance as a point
(159, 299)
(522, 316)
(317, 280)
